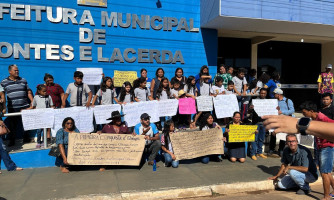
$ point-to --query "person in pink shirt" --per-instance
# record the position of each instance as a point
(325, 81)
(325, 148)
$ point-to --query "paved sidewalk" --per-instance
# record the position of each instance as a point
(50, 183)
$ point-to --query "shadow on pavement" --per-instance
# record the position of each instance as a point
(269, 170)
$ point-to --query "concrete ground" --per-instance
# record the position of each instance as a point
(50, 183)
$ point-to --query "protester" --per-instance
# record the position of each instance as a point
(4, 156)
(221, 73)
(142, 93)
(236, 150)
(256, 146)
(19, 97)
(297, 167)
(126, 95)
(264, 78)
(180, 77)
(203, 80)
(166, 145)
(107, 93)
(159, 74)
(207, 123)
(327, 107)
(2, 101)
(230, 88)
(42, 100)
(78, 91)
(183, 119)
(285, 107)
(251, 75)
(152, 138)
(190, 88)
(240, 85)
(163, 93)
(68, 127)
(325, 149)
(54, 90)
(116, 125)
(325, 81)
(228, 76)
(143, 73)
(272, 84)
(174, 92)
(218, 88)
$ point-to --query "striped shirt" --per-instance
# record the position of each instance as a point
(17, 93)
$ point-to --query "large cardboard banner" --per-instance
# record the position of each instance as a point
(265, 106)
(103, 112)
(225, 105)
(194, 144)
(121, 76)
(37, 118)
(187, 106)
(204, 103)
(105, 149)
(92, 76)
(168, 107)
(242, 133)
(133, 111)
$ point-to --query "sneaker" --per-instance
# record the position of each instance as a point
(254, 157)
(303, 192)
(261, 155)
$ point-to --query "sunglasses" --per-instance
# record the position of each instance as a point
(69, 123)
(146, 119)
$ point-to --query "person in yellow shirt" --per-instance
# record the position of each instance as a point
(325, 81)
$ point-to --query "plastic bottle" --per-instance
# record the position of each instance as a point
(154, 166)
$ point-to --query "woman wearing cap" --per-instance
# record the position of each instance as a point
(116, 125)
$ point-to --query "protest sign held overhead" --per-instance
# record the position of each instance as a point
(92, 76)
(105, 149)
(121, 76)
(242, 133)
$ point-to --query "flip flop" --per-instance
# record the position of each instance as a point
(331, 195)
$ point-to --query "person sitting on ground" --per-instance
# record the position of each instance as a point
(116, 125)
(208, 123)
(166, 145)
(152, 144)
(62, 142)
(4, 156)
(297, 167)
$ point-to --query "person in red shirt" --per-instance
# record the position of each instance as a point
(325, 148)
(116, 126)
(53, 89)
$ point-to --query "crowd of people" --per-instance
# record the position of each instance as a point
(157, 135)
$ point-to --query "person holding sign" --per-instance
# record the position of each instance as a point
(106, 93)
(78, 91)
(166, 145)
(179, 77)
(142, 93)
(207, 123)
(62, 142)
(116, 125)
(152, 137)
(163, 93)
(42, 100)
(236, 150)
(126, 95)
(159, 74)
(297, 167)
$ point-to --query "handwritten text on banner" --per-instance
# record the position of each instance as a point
(92, 76)
(242, 133)
(121, 76)
(225, 105)
(103, 112)
(37, 118)
(265, 106)
(204, 103)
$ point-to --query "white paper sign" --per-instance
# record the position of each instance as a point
(103, 112)
(225, 105)
(168, 107)
(37, 118)
(82, 116)
(204, 103)
(265, 106)
(133, 111)
(92, 76)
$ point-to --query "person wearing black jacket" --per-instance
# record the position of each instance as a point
(327, 107)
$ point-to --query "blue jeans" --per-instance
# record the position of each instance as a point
(326, 159)
(259, 139)
(4, 156)
(169, 161)
(296, 179)
(39, 135)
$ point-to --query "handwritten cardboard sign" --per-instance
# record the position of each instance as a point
(187, 106)
(204, 103)
(121, 76)
(37, 118)
(105, 149)
(242, 133)
(265, 106)
(188, 145)
(92, 76)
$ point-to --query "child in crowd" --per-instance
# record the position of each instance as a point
(126, 95)
(78, 91)
(205, 90)
(240, 85)
(41, 100)
(230, 88)
(208, 123)
(218, 88)
(106, 93)
(175, 91)
(163, 93)
(183, 119)
(190, 90)
(142, 93)
(166, 145)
